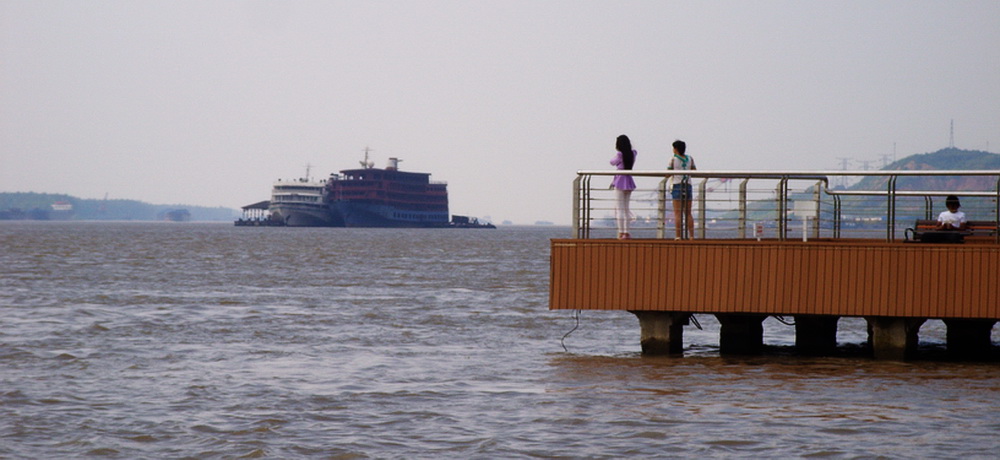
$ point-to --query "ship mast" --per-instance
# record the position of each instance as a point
(367, 164)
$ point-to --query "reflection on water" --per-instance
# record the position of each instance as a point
(207, 341)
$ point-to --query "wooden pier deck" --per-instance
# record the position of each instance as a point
(895, 285)
(843, 278)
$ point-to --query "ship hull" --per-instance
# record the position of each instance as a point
(299, 215)
(361, 214)
(354, 214)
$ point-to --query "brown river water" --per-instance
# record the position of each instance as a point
(190, 340)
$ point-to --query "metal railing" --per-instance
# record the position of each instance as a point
(766, 202)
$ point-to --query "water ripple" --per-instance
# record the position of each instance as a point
(131, 340)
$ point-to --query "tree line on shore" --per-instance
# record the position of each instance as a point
(50, 206)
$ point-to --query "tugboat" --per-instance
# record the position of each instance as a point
(469, 222)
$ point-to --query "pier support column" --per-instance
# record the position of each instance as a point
(816, 335)
(969, 338)
(741, 334)
(662, 332)
(893, 338)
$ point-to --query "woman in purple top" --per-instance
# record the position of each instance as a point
(623, 185)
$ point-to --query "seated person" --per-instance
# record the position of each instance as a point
(952, 219)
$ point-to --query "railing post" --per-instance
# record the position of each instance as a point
(576, 206)
(816, 198)
(996, 216)
(777, 213)
(701, 209)
(782, 192)
(743, 208)
(837, 218)
(891, 224)
(661, 209)
(586, 206)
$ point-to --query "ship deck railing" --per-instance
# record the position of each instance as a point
(784, 205)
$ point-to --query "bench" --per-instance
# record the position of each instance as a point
(925, 231)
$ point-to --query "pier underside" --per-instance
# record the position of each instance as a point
(894, 286)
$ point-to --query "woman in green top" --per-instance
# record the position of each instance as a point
(681, 190)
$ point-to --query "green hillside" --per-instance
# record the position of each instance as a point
(909, 208)
(49, 206)
(942, 160)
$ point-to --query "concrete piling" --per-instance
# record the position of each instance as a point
(890, 338)
(893, 338)
(816, 335)
(662, 332)
(969, 338)
(741, 334)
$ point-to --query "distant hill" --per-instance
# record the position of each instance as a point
(49, 206)
(909, 207)
(942, 160)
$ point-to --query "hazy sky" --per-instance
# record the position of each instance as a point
(208, 102)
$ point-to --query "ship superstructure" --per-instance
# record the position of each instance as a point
(302, 203)
(374, 197)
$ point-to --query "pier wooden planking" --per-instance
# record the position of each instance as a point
(819, 277)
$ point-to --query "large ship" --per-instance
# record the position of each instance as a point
(366, 197)
(374, 197)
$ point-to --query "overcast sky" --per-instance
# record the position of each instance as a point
(208, 102)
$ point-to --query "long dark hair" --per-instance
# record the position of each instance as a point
(625, 147)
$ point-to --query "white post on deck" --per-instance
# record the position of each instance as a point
(805, 210)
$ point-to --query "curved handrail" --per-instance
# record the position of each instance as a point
(583, 197)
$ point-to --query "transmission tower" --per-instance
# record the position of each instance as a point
(844, 162)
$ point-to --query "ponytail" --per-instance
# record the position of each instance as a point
(625, 147)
